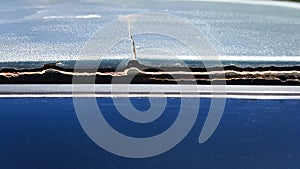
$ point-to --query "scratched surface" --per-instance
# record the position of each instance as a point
(58, 32)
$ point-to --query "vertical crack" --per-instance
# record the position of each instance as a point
(127, 20)
(133, 43)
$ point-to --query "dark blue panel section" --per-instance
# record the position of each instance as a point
(45, 133)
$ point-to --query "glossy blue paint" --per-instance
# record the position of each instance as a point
(45, 133)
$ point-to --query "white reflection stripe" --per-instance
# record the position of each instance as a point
(143, 90)
(254, 2)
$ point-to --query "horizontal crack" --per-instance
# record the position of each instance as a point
(51, 73)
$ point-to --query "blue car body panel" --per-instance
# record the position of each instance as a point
(45, 133)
